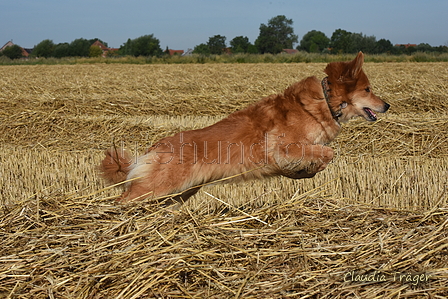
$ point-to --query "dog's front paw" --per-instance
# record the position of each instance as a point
(313, 164)
(322, 161)
(301, 174)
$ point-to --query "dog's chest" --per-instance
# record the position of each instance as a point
(323, 134)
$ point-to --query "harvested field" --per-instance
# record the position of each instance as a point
(373, 224)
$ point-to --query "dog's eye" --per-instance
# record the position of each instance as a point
(367, 89)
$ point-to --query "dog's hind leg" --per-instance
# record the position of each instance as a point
(182, 198)
(186, 194)
(137, 190)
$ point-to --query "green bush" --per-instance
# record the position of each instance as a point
(95, 51)
(13, 52)
(300, 57)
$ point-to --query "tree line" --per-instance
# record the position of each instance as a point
(276, 35)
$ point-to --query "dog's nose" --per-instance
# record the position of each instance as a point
(386, 107)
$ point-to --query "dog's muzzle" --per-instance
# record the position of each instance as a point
(371, 115)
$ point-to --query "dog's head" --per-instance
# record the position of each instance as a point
(350, 93)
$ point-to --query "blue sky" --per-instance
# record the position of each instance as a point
(185, 24)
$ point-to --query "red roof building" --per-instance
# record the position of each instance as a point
(175, 52)
(406, 45)
(105, 49)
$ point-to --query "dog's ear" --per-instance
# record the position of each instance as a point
(345, 71)
(355, 66)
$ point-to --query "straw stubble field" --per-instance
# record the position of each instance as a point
(378, 213)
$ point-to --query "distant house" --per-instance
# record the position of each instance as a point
(189, 52)
(25, 52)
(105, 49)
(8, 44)
(405, 45)
(290, 51)
(227, 50)
(175, 52)
(28, 51)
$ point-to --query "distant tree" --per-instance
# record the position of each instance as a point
(277, 35)
(369, 44)
(343, 41)
(202, 49)
(423, 47)
(360, 42)
(384, 46)
(12, 52)
(240, 44)
(441, 49)
(44, 49)
(340, 41)
(355, 43)
(61, 50)
(217, 44)
(95, 51)
(125, 49)
(314, 41)
(410, 50)
(146, 45)
(399, 50)
(252, 49)
(80, 47)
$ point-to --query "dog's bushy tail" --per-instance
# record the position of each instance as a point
(116, 165)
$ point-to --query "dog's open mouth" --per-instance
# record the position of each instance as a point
(370, 114)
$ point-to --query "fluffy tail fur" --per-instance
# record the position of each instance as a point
(116, 165)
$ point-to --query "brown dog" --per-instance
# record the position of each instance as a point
(282, 134)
